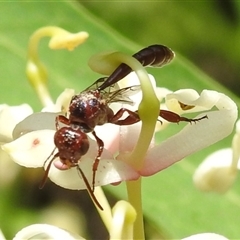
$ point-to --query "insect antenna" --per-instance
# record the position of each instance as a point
(89, 188)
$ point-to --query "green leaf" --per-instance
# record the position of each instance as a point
(170, 202)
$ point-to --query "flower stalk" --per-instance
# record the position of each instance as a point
(35, 70)
(148, 111)
(135, 198)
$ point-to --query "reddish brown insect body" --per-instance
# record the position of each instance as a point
(91, 108)
(71, 145)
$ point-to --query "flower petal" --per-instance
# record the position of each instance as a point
(206, 236)
(34, 122)
(206, 101)
(109, 171)
(45, 231)
(32, 149)
(109, 134)
(194, 137)
(129, 136)
(215, 172)
(9, 117)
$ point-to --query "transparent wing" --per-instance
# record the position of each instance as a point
(99, 82)
(113, 93)
(96, 84)
(122, 95)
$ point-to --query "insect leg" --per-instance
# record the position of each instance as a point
(132, 117)
(97, 159)
(90, 191)
(175, 118)
(165, 114)
(62, 119)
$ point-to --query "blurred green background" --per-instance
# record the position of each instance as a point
(205, 33)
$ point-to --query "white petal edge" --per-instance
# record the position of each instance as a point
(10, 116)
(45, 231)
(109, 171)
(34, 122)
(206, 101)
(206, 236)
(193, 137)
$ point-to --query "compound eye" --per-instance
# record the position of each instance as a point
(93, 102)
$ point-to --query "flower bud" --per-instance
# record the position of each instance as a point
(215, 173)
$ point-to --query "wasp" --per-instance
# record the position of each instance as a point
(91, 108)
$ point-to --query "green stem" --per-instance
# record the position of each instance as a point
(148, 108)
(148, 111)
(135, 199)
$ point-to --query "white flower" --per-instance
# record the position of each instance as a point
(34, 143)
(221, 114)
(33, 148)
(219, 170)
